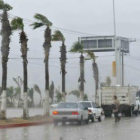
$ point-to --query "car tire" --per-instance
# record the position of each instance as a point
(130, 112)
(99, 119)
(55, 123)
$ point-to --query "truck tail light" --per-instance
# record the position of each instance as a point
(55, 112)
(75, 113)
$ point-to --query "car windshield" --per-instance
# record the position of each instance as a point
(67, 105)
(86, 104)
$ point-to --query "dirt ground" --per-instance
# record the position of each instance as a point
(37, 118)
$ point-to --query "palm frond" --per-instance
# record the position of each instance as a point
(17, 24)
(58, 36)
(1, 4)
(75, 93)
(77, 47)
(8, 7)
(37, 25)
(5, 6)
(37, 89)
(91, 55)
(43, 19)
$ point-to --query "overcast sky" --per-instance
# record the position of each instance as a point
(86, 16)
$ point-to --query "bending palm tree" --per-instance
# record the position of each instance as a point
(95, 69)
(58, 36)
(6, 33)
(43, 21)
(78, 48)
(37, 89)
(17, 24)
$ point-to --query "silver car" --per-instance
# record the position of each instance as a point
(70, 112)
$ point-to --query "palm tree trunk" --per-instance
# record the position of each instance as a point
(24, 50)
(6, 33)
(25, 100)
(82, 79)
(47, 87)
(63, 69)
(47, 46)
(96, 76)
(4, 95)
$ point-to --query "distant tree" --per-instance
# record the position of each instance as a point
(18, 25)
(43, 21)
(51, 91)
(108, 81)
(75, 93)
(85, 97)
(77, 47)
(31, 96)
(19, 83)
(37, 89)
(6, 33)
(59, 96)
(10, 91)
(58, 36)
(92, 56)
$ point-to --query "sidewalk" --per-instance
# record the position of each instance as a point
(19, 122)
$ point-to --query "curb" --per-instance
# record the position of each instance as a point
(25, 124)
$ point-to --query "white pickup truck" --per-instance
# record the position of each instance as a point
(94, 111)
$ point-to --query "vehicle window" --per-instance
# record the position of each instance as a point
(86, 104)
(94, 105)
(81, 106)
(67, 105)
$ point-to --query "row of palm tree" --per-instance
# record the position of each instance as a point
(78, 48)
(18, 25)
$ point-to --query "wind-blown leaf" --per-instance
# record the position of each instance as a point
(5, 6)
(37, 25)
(58, 36)
(77, 47)
(75, 93)
(37, 89)
(43, 19)
(17, 24)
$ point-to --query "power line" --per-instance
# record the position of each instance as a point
(28, 21)
(132, 67)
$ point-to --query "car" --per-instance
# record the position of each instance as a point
(95, 112)
(52, 108)
(70, 112)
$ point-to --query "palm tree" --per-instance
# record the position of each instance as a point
(31, 95)
(85, 97)
(108, 81)
(51, 91)
(59, 96)
(75, 93)
(37, 89)
(5, 33)
(43, 21)
(58, 36)
(17, 24)
(78, 48)
(19, 83)
(92, 56)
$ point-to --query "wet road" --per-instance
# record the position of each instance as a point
(127, 129)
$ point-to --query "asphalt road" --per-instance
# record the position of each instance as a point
(126, 129)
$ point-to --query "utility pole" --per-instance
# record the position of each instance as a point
(122, 67)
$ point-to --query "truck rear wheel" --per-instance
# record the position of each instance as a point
(130, 112)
